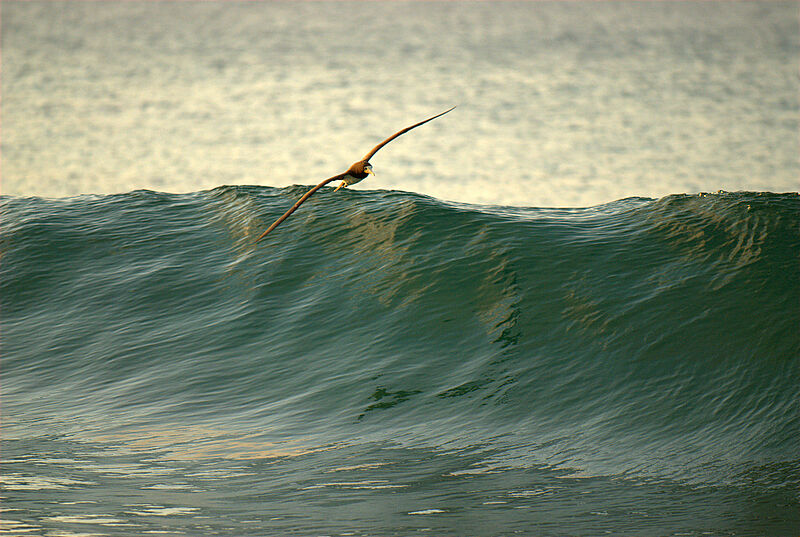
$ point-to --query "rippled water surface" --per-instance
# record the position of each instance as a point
(404, 366)
(431, 352)
(560, 103)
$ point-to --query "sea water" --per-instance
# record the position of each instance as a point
(432, 352)
(560, 104)
(402, 366)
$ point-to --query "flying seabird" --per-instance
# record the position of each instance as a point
(353, 175)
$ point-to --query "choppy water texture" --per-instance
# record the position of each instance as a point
(386, 363)
(561, 104)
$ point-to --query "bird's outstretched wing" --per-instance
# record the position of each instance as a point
(398, 133)
(342, 175)
(300, 202)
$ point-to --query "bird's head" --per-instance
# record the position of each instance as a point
(360, 169)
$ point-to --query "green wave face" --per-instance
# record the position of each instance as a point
(422, 350)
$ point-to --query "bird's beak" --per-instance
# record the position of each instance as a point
(368, 169)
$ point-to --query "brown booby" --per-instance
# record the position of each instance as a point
(353, 175)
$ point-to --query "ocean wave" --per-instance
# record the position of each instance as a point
(649, 339)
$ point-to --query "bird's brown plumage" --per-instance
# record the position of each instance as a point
(357, 171)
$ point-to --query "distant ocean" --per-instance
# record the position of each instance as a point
(569, 307)
(560, 104)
